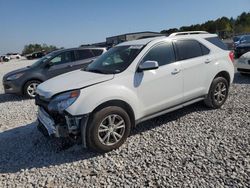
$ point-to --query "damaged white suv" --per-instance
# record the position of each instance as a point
(133, 82)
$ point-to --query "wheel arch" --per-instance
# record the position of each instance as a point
(118, 103)
(225, 75)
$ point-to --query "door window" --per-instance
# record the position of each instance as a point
(84, 54)
(162, 53)
(62, 58)
(187, 49)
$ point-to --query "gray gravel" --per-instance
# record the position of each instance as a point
(192, 147)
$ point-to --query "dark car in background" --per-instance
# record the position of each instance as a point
(35, 55)
(242, 46)
(24, 81)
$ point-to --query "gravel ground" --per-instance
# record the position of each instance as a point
(192, 147)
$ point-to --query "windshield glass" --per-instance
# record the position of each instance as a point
(43, 59)
(115, 60)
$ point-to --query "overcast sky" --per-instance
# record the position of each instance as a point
(69, 23)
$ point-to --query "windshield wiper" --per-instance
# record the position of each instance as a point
(95, 71)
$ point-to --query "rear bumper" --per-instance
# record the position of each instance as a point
(243, 66)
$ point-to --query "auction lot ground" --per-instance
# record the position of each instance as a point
(194, 146)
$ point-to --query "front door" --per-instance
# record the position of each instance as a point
(161, 88)
(60, 64)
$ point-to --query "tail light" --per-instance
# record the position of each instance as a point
(231, 55)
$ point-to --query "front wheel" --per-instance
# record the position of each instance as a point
(218, 93)
(30, 88)
(108, 129)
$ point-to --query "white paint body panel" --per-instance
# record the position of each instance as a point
(146, 92)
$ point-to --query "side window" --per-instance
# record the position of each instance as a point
(97, 52)
(217, 42)
(162, 53)
(62, 58)
(84, 54)
(204, 49)
(188, 49)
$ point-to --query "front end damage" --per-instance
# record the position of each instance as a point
(59, 125)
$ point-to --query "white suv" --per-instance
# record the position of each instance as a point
(133, 82)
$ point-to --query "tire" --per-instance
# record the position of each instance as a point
(28, 86)
(100, 126)
(216, 97)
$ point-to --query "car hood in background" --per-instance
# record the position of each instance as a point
(16, 72)
(70, 81)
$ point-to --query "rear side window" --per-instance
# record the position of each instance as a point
(84, 54)
(97, 52)
(204, 49)
(187, 49)
(217, 42)
(162, 53)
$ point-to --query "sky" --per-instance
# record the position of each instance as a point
(70, 23)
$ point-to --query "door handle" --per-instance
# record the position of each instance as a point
(207, 61)
(70, 66)
(176, 71)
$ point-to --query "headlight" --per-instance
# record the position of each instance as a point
(63, 101)
(14, 77)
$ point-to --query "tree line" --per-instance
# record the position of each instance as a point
(224, 27)
(30, 48)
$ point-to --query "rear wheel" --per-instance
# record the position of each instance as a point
(108, 129)
(30, 88)
(218, 93)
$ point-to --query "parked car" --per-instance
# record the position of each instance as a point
(4, 58)
(35, 55)
(14, 55)
(133, 82)
(24, 81)
(243, 64)
(243, 46)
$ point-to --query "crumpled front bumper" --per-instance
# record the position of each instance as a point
(54, 124)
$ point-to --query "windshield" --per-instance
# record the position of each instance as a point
(115, 60)
(43, 59)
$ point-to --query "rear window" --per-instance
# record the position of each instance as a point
(217, 42)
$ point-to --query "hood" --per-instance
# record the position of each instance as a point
(70, 81)
(16, 72)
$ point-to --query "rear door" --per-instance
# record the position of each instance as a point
(194, 61)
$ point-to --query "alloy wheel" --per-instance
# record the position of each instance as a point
(220, 92)
(111, 130)
(31, 89)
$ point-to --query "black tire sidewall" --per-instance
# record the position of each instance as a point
(93, 141)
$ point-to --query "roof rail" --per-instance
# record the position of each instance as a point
(188, 33)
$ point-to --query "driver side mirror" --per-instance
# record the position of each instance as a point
(148, 65)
